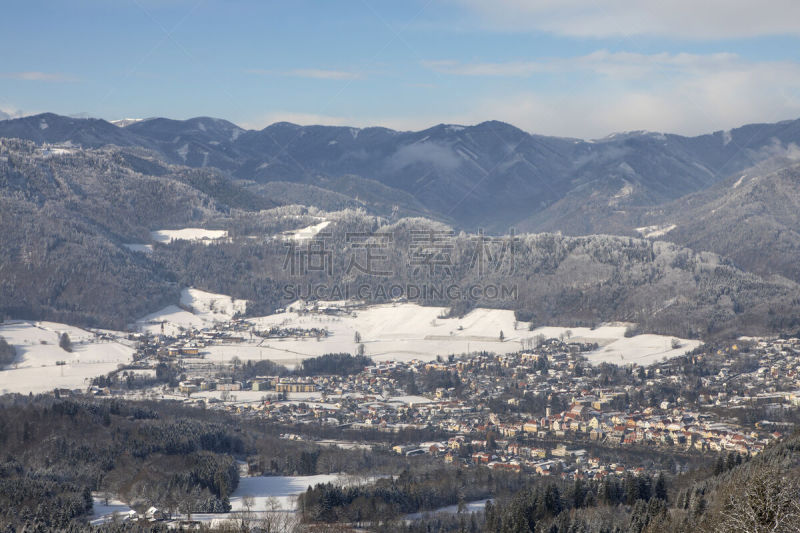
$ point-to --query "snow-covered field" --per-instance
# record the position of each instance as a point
(644, 349)
(268, 493)
(309, 232)
(281, 489)
(469, 507)
(104, 513)
(398, 332)
(37, 369)
(210, 306)
(206, 309)
(166, 236)
(401, 332)
(175, 318)
(616, 348)
(389, 332)
(271, 495)
(651, 232)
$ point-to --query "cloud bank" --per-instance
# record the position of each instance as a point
(687, 19)
(619, 91)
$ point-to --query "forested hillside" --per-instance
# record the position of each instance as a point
(546, 278)
(70, 217)
(55, 452)
(734, 495)
(753, 218)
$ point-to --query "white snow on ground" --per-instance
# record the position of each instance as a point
(35, 368)
(470, 507)
(166, 236)
(272, 494)
(727, 137)
(643, 350)
(309, 232)
(103, 513)
(411, 400)
(274, 499)
(626, 189)
(739, 181)
(275, 493)
(602, 335)
(283, 488)
(212, 306)
(241, 397)
(175, 320)
(650, 232)
(123, 122)
(144, 248)
(199, 309)
(50, 151)
(616, 348)
(394, 332)
(389, 332)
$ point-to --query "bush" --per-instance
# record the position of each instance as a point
(65, 342)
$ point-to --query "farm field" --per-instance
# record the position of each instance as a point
(41, 365)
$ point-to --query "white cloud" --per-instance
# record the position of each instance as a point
(685, 105)
(692, 19)
(38, 76)
(436, 154)
(636, 65)
(681, 93)
(690, 107)
(7, 112)
(612, 64)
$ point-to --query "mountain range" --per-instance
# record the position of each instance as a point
(69, 213)
(491, 175)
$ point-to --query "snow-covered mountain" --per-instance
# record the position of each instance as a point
(124, 122)
(491, 175)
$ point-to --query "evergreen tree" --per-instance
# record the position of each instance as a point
(660, 489)
(64, 342)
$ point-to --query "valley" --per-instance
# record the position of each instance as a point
(331, 334)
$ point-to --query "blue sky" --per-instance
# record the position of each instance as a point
(578, 68)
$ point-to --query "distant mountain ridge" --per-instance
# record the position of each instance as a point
(752, 218)
(491, 175)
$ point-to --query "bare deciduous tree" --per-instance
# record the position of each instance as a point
(768, 502)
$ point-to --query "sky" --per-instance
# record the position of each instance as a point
(575, 68)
